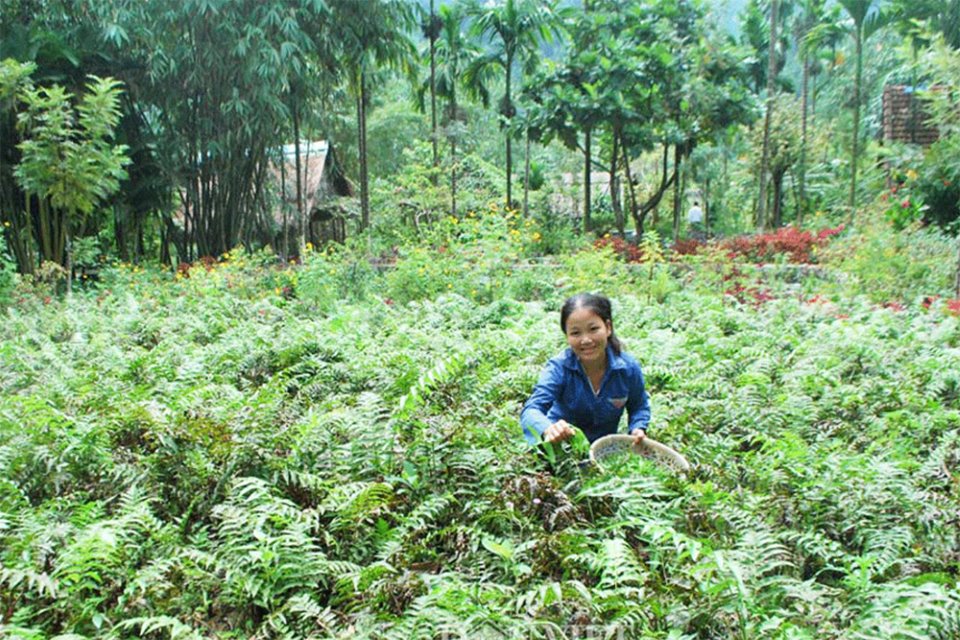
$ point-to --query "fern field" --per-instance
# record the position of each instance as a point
(233, 455)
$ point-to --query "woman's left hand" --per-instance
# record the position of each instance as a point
(638, 436)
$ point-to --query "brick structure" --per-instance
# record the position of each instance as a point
(905, 116)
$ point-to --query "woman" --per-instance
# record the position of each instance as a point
(589, 384)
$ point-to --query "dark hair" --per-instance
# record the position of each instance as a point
(600, 305)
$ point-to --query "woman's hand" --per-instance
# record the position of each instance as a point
(638, 436)
(558, 431)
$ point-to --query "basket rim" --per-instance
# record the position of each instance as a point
(678, 461)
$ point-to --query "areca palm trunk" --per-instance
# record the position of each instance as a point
(765, 157)
(526, 175)
(587, 186)
(508, 107)
(856, 120)
(433, 93)
(802, 170)
(362, 145)
(301, 216)
(453, 160)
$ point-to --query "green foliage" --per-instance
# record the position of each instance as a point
(331, 275)
(205, 456)
(889, 264)
(67, 156)
(8, 274)
(939, 183)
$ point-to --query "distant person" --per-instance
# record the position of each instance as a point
(588, 385)
(695, 220)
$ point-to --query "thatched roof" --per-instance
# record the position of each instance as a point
(320, 174)
(905, 116)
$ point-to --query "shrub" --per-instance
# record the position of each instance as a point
(796, 245)
(328, 277)
(627, 251)
(8, 275)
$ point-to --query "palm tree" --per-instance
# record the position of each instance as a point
(455, 52)
(812, 16)
(372, 34)
(431, 29)
(771, 101)
(865, 23)
(515, 29)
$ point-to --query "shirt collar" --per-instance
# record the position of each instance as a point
(614, 361)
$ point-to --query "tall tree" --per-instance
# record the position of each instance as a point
(648, 77)
(514, 30)
(431, 25)
(372, 34)
(865, 22)
(768, 117)
(812, 15)
(69, 161)
(455, 52)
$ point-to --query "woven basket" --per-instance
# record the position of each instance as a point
(612, 445)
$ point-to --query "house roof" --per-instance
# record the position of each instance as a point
(313, 161)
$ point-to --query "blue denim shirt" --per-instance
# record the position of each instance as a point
(564, 392)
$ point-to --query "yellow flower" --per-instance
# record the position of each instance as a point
(536, 236)
(308, 247)
(911, 174)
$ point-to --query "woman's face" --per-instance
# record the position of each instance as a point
(587, 335)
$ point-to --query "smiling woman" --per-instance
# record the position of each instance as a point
(590, 383)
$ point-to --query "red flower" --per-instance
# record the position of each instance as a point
(953, 306)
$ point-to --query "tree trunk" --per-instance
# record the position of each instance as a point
(777, 180)
(615, 190)
(706, 207)
(22, 238)
(771, 87)
(301, 215)
(587, 182)
(119, 237)
(362, 127)
(433, 94)
(508, 106)
(654, 201)
(285, 242)
(526, 175)
(856, 122)
(637, 219)
(453, 157)
(68, 258)
(802, 169)
(677, 192)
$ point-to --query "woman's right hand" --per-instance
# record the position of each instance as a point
(558, 432)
